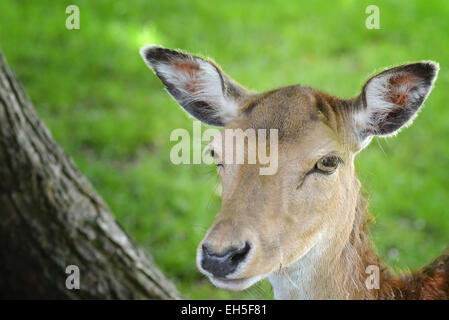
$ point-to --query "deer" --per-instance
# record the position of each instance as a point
(305, 227)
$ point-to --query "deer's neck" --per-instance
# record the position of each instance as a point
(331, 270)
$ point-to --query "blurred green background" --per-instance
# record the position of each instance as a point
(111, 114)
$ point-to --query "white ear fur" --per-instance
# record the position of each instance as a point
(197, 84)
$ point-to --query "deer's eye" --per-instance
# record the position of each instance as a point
(328, 164)
(213, 154)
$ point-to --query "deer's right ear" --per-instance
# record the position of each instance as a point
(198, 85)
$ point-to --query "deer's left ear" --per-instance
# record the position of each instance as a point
(391, 100)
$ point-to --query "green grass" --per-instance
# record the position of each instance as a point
(111, 114)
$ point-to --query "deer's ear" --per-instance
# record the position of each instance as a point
(391, 100)
(198, 85)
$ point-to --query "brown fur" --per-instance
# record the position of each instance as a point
(428, 283)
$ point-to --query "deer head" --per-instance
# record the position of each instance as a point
(304, 213)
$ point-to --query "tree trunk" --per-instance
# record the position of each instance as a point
(51, 217)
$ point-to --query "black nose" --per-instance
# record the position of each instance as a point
(225, 263)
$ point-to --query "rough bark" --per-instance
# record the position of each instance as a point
(51, 217)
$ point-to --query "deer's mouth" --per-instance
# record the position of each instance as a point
(235, 284)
